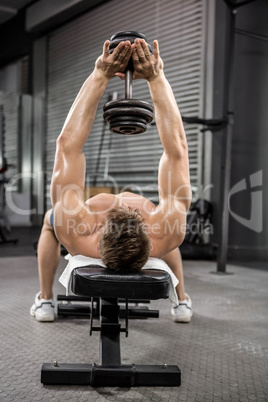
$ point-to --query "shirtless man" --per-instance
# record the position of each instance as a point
(124, 229)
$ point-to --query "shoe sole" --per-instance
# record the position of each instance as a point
(44, 319)
(41, 318)
(177, 319)
(188, 319)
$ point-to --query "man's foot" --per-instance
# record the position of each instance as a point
(183, 311)
(42, 310)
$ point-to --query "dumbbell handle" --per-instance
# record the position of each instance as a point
(128, 84)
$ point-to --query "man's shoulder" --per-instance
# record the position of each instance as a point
(86, 245)
(102, 203)
(166, 228)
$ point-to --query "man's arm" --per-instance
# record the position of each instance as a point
(67, 187)
(173, 177)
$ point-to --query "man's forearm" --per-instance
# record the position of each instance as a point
(81, 116)
(167, 116)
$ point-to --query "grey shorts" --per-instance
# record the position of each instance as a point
(52, 220)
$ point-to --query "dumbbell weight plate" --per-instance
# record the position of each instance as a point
(123, 36)
(128, 103)
(128, 127)
(120, 118)
(128, 34)
(132, 112)
(128, 116)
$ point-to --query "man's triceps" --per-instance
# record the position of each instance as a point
(68, 175)
(174, 180)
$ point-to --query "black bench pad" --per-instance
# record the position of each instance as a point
(95, 281)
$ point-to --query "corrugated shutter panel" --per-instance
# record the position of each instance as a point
(11, 111)
(73, 49)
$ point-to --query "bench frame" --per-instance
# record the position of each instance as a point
(110, 371)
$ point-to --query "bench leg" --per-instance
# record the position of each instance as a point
(106, 376)
(110, 371)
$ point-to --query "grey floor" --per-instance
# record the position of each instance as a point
(222, 353)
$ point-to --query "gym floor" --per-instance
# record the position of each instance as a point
(222, 353)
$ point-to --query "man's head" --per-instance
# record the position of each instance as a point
(125, 242)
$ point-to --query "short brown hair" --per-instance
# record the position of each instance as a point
(125, 243)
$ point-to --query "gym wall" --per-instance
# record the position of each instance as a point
(131, 162)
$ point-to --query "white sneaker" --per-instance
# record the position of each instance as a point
(43, 310)
(183, 311)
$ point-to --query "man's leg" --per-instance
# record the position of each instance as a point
(48, 253)
(174, 261)
(183, 312)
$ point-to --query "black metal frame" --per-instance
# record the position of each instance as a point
(85, 307)
(110, 371)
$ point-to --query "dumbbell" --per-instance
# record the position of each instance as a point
(127, 116)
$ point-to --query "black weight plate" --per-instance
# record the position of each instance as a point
(128, 103)
(129, 111)
(116, 42)
(128, 128)
(118, 119)
(128, 33)
(124, 36)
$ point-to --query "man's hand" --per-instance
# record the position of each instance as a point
(114, 64)
(146, 66)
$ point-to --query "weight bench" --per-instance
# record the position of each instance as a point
(109, 286)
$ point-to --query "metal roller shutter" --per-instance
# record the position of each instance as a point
(72, 51)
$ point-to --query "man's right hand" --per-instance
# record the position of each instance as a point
(114, 64)
(146, 65)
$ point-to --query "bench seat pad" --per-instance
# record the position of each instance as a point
(96, 281)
